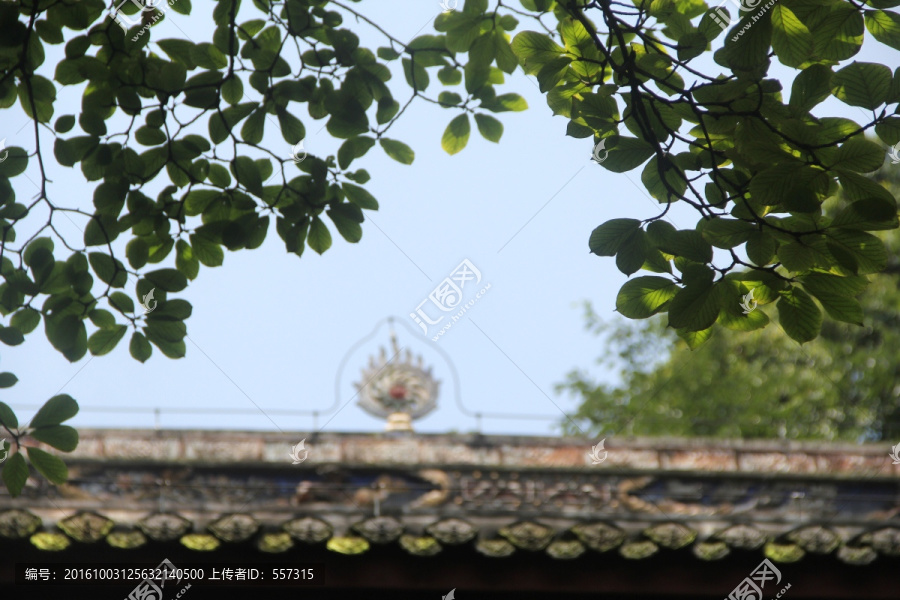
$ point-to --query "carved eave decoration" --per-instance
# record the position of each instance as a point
(397, 388)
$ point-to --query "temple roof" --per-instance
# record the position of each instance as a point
(354, 493)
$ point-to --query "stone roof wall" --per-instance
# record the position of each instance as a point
(498, 494)
(668, 454)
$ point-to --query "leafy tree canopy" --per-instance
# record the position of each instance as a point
(171, 131)
(844, 385)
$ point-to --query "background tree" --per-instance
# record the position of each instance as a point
(172, 130)
(843, 385)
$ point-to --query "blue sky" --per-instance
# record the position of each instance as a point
(270, 331)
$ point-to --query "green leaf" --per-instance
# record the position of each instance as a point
(387, 110)
(16, 161)
(233, 90)
(694, 339)
(354, 148)
(691, 45)
(669, 191)
(219, 175)
(489, 127)
(456, 136)
(823, 283)
(799, 316)
(121, 302)
(169, 280)
(172, 349)
(137, 251)
(398, 151)
(64, 124)
(607, 239)
(179, 50)
(8, 417)
(449, 76)
(175, 309)
(889, 129)
(859, 155)
(859, 187)
(811, 86)
(42, 92)
(97, 234)
(7, 380)
(791, 40)
(632, 255)
(862, 84)
(865, 250)
(139, 347)
(884, 27)
(108, 269)
(799, 257)
(695, 307)
(346, 221)
(48, 465)
(56, 410)
(319, 238)
(103, 341)
(25, 320)
(726, 233)
(535, 50)
(837, 295)
(761, 248)
(165, 330)
(196, 201)
(416, 76)
(103, 319)
(61, 437)
(385, 53)
(506, 102)
(360, 196)
(737, 320)
(11, 336)
(185, 261)
(149, 136)
(643, 297)
(687, 243)
(871, 214)
(627, 154)
(348, 117)
(247, 173)
(208, 252)
(292, 129)
(839, 33)
(15, 474)
(253, 128)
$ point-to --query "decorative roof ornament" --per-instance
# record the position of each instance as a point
(396, 388)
